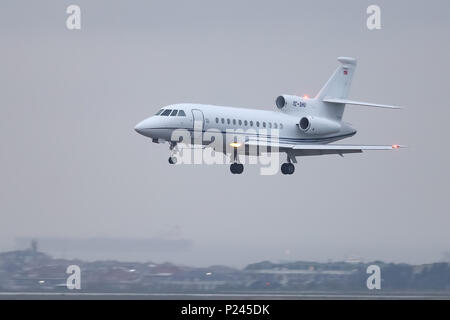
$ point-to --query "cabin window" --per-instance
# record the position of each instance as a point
(264, 124)
(275, 125)
(181, 113)
(166, 112)
(270, 124)
(228, 121)
(159, 112)
(174, 113)
(281, 126)
(251, 123)
(240, 122)
(245, 123)
(234, 121)
(207, 120)
(257, 124)
(217, 120)
(222, 120)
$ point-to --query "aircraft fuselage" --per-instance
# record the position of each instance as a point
(160, 127)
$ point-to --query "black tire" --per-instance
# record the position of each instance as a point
(236, 168)
(291, 168)
(172, 160)
(284, 169)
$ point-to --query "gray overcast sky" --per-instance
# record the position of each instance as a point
(72, 165)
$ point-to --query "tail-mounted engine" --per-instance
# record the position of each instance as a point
(286, 102)
(319, 126)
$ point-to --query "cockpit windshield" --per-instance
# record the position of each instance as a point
(171, 112)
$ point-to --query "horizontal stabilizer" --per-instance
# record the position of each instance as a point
(359, 103)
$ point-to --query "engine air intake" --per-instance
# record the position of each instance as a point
(281, 102)
(304, 123)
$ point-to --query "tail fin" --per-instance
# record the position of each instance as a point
(338, 86)
(332, 98)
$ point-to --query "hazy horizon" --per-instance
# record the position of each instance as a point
(73, 167)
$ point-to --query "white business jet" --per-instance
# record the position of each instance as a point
(301, 126)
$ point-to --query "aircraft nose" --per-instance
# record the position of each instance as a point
(140, 128)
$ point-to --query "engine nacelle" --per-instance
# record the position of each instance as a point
(319, 126)
(285, 101)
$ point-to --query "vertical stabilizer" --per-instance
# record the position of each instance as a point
(338, 86)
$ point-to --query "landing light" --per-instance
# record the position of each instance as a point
(235, 144)
(395, 146)
(305, 96)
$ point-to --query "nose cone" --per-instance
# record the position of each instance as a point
(140, 127)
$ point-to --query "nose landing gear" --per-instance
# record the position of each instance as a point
(172, 160)
(173, 147)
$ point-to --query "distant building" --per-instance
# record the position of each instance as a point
(34, 245)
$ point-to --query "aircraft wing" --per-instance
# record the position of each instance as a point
(319, 149)
(340, 149)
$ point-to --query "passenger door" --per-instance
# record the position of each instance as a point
(198, 120)
(197, 126)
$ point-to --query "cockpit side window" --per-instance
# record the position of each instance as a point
(174, 113)
(166, 112)
(159, 112)
(181, 113)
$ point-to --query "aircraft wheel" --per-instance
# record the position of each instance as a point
(287, 168)
(291, 168)
(172, 160)
(236, 168)
(284, 169)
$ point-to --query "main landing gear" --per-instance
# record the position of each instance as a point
(288, 167)
(237, 168)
